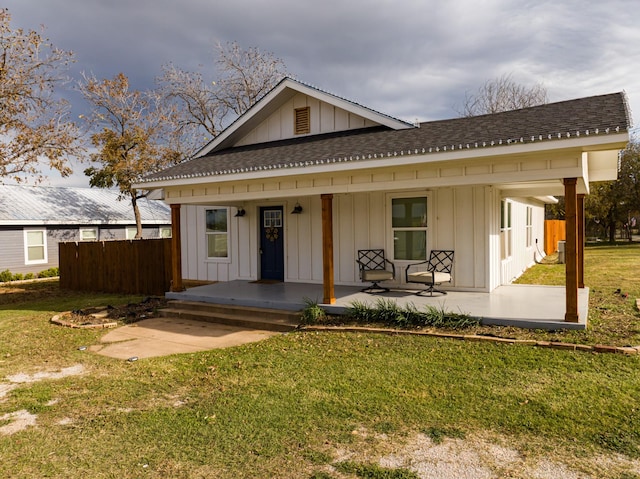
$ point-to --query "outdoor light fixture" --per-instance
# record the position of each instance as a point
(297, 209)
(240, 212)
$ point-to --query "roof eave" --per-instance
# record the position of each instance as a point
(227, 137)
(610, 141)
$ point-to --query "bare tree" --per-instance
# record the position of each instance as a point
(503, 94)
(206, 107)
(34, 125)
(247, 75)
(134, 134)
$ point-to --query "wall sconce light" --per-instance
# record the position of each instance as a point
(240, 212)
(297, 209)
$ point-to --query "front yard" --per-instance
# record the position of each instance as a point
(324, 405)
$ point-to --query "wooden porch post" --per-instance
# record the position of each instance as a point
(571, 256)
(327, 250)
(176, 250)
(580, 241)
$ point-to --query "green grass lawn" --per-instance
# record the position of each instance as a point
(292, 405)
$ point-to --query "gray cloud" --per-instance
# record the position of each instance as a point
(410, 59)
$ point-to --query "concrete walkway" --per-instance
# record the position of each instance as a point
(165, 336)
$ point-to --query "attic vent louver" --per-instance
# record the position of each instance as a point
(302, 121)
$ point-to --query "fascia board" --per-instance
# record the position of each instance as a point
(294, 86)
(243, 119)
(595, 142)
(359, 110)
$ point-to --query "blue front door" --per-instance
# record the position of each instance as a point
(271, 243)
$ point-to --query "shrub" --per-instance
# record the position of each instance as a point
(49, 273)
(388, 312)
(6, 276)
(312, 312)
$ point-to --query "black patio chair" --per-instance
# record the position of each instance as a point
(435, 271)
(373, 269)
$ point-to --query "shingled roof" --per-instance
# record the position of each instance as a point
(553, 122)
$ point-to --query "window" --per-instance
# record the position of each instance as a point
(529, 227)
(217, 233)
(409, 225)
(505, 229)
(130, 232)
(165, 232)
(35, 242)
(272, 218)
(88, 234)
(302, 121)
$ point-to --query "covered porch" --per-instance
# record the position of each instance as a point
(526, 306)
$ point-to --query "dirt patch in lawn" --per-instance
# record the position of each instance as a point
(16, 421)
(476, 457)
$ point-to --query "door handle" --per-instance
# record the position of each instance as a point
(260, 250)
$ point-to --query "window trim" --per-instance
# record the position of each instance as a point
(168, 229)
(390, 229)
(26, 232)
(95, 230)
(217, 259)
(126, 232)
(506, 229)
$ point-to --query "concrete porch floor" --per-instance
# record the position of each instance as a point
(526, 306)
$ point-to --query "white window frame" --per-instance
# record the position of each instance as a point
(165, 232)
(390, 250)
(92, 230)
(214, 259)
(43, 245)
(130, 232)
(506, 229)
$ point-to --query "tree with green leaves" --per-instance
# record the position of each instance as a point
(35, 130)
(612, 204)
(133, 134)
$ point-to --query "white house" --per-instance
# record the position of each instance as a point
(304, 179)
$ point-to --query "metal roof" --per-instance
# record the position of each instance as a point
(550, 123)
(41, 205)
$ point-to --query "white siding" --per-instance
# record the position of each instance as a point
(461, 218)
(522, 255)
(325, 118)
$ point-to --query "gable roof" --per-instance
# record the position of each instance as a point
(280, 94)
(48, 205)
(587, 119)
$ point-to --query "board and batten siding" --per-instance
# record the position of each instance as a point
(522, 256)
(324, 118)
(465, 219)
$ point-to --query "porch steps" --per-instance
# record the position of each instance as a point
(233, 315)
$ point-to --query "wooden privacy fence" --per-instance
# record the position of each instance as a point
(554, 231)
(128, 267)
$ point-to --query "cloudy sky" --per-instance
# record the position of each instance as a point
(412, 59)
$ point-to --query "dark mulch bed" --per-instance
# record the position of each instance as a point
(127, 313)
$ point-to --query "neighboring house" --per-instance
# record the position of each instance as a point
(34, 219)
(357, 179)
